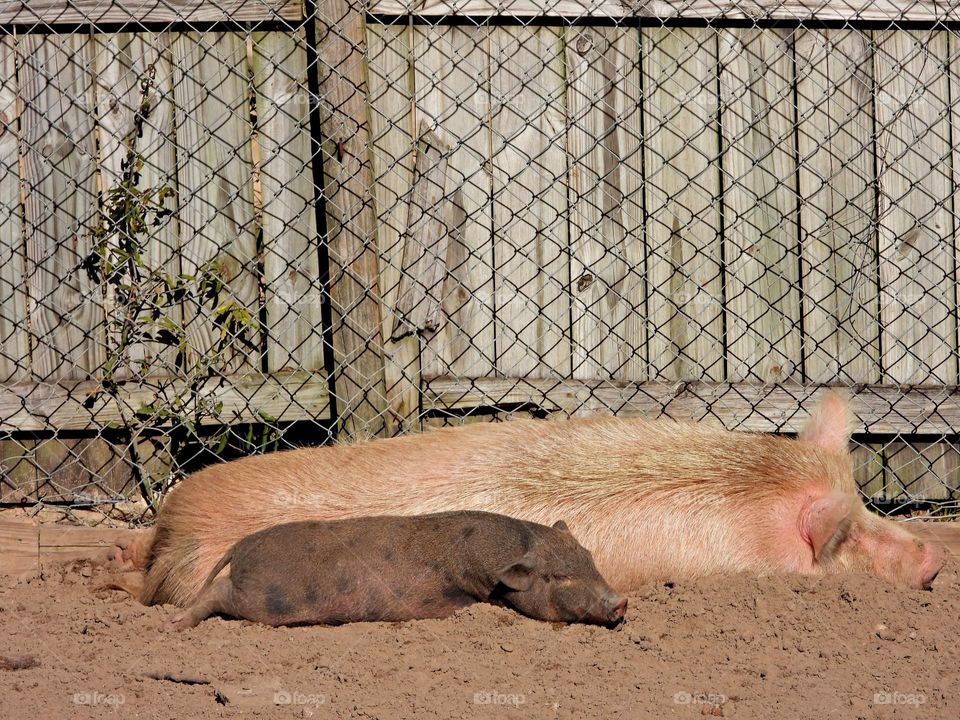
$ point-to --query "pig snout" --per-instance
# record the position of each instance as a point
(615, 607)
(608, 609)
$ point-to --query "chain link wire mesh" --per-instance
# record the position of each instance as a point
(240, 228)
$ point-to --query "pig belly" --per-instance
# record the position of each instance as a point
(342, 593)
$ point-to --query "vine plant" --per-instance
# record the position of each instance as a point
(142, 304)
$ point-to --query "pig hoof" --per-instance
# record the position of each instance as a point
(180, 622)
(115, 559)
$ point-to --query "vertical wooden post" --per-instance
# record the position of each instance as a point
(351, 217)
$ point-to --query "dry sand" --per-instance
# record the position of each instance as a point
(739, 647)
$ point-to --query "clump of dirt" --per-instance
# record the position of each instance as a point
(737, 646)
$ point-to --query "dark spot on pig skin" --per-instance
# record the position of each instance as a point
(343, 583)
(310, 595)
(526, 540)
(428, 601)
(468, 531)
(456, 595)
(388, 555)
(277, 601)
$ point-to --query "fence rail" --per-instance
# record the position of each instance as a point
(338, 220)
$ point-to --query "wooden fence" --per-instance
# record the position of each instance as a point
(433, 220)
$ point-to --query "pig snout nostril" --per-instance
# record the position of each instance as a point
(928, 581)
(618, 608)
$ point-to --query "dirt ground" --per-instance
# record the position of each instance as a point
(740, 647)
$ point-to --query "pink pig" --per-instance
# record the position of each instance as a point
(652, 500)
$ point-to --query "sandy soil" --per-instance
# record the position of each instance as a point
(741, 647)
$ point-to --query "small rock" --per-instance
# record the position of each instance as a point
(884, 633)
(506, 647)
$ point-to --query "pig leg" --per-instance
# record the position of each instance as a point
(215, 598)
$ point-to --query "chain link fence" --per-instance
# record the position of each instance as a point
(249, 226)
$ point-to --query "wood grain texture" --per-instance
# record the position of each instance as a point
(748, 406)
(452, 81)
(60, 187)
(423, 268)
(97, 11)
(604, 140)
(921, 471)
(392, 133)
(18, 470)
(82, 470)
(760, 205)
(916, 226)
(684, 277)
(351, 219)
(124, 61)
(14, 323)
(926, 10)
(530, 234)
(84, 405)
(294, 294)
(839, 278)
(215, 186)
(19, 549)
(868, 471)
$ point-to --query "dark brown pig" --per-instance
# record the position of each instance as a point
(650, 499)
(403, 568)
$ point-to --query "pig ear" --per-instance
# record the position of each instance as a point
(831, 423)
(561, 525)
(519, 575)
(822, 521)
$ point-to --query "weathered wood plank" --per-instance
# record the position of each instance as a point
(684, 277)
(294, 294)
(19, 549)
(953, 73)
(925, 10)
(426, 239)
(916, 225)
(921, 471)
(760, 205)
(391, 143)
(14, 338)
(59, 167)
(868, 472)
(528, 167)
(215, 184)
(452, 77)
(124, 62)
(748, 406)
(839, 278)
(66, 543)
(29, 407)
(97, 11)
(81, 470)
(606, 213)
(18, 470)
(351, 219)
